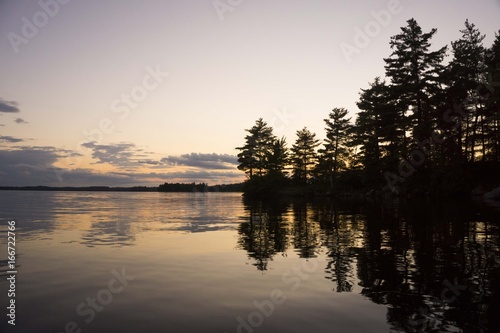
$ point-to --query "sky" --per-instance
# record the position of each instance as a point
(125, 93)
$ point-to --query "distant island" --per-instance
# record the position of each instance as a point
(166, 187)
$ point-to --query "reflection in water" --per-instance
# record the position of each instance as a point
(265, 233)
(435, 266)
(113, 233)
(306, 237)
(404, 267)
(114, 218)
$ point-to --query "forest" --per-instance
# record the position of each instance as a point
(428, 127)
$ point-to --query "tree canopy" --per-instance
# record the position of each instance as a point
(426, 126)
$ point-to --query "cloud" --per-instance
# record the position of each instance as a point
(88, 177)
(10, 139)
(30, 166)
(127, 155)
(20, 121)
(119, 154)
(149, 162)
(204, 161)
(8, 106)
(188, 175)
(35, 165)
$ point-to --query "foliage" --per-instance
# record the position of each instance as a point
(304, 155)
(426, 127)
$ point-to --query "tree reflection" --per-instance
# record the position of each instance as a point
(306, 230)
(435, 265)
(264, 231)
(339, 230)
(114, 233)
(429, 264)
(272, 227)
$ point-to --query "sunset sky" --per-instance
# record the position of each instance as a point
(123, 93)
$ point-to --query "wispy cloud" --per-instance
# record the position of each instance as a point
(37, 165)
(8, 106)
(128, 155)
(118, 154)
(10, 139)
(204, 161)
(20, 121)
(201, 176)
(32, 165)
(149, 162)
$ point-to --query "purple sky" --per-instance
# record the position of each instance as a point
(142, 92)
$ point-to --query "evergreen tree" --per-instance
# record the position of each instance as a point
(426, 113)
(277, 164)
(467, 71)
(379, 131)
(336, 150)
(304, 155)
(278, 159)
(258, 146)
(415, 74)
(492, 92)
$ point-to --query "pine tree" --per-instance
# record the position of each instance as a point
(336, 150)
(304, 156)
(467, 71)
(258, 146)
(379, 131)
(277, 163)
(492, 92)
(278, 159)
(415, 74)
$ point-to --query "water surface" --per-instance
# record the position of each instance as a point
(211, 262)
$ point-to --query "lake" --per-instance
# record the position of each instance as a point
(212, 262)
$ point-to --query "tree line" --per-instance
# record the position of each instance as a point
(166, 187)
(426, 126)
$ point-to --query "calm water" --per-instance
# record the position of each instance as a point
(194, 262)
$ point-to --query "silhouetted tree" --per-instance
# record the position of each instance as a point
(426, 127)
(415, 74)
(258, 146)
(277, 158)
(336, 150)
(304, 156)
(379, 130)
(277, 163)
(492, 91)
(467, 71)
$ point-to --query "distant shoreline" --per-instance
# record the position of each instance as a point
(173, 188)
